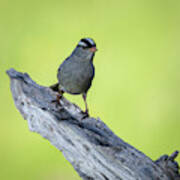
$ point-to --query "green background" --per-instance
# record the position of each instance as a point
(136, 90)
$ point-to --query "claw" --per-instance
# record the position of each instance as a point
(57, 100)
(85, 115)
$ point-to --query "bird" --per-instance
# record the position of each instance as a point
(77, 71)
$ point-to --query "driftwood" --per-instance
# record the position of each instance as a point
(94, 151)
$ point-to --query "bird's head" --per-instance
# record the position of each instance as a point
(86, 48)
(87, 44)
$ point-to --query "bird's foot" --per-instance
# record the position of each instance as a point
(85, 114)
(57, 100)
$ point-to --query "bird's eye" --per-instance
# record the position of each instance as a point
(84, 47)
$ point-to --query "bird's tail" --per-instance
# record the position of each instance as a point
(55, 87)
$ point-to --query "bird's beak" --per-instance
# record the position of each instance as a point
(93, 49)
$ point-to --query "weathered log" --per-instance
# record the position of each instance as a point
(94, 151)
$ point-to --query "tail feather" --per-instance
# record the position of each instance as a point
(55, 87)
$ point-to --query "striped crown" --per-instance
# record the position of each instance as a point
(87, 43)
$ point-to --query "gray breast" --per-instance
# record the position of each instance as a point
(75, 76)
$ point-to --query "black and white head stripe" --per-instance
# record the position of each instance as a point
(87, 43)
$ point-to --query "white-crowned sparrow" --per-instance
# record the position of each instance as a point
(76, 73)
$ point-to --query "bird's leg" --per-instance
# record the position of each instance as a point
(60, 92)
(59, 96)
(84, 98)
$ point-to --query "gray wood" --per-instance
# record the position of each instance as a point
(94, 151)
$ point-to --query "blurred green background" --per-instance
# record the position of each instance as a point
(136, 90)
